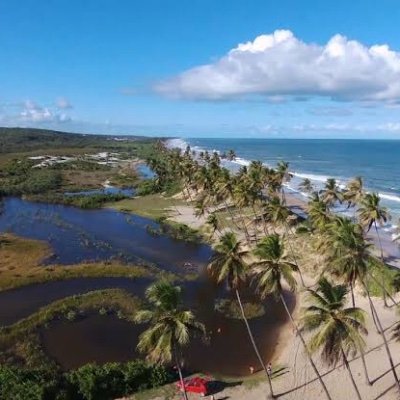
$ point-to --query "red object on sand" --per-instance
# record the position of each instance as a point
(195, 385)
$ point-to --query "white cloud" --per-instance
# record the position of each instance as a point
(33, 112)
(30, 113)
(279, 64)
(63, 104)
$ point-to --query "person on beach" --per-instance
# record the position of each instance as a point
(269, 369)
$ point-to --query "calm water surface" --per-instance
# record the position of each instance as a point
(77, 235)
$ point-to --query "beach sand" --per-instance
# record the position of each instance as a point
(299, 380)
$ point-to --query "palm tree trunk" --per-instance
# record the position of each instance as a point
(383, 262)
(305, 347)
(361, 350)
(246, 233)
(255, 222)
(346, 363)
(383, 287)
(253, 342)
(382, 333)
(293, 256)
(178, 366)
(231, 214)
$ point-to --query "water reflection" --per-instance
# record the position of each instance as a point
(91, 235)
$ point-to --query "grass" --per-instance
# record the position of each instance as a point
(20, 343)
(20, 261)
(151, 206)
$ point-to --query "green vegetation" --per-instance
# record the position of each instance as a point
(176, 230)
(78, 170)
(18, 177)
(230, 309)
(151, 206)
(20, 265)
(91, 201)
(337, 330)
(170, 326)
(17, 140)
(90, 382)
(20, 344)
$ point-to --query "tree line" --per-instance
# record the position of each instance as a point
(257, 250)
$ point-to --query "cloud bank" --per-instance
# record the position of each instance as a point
(280, 65)
(31, 113)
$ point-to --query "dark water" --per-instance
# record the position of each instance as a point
(19, 303)
(107, 190)
(77, 235)
(145, 171)
(106, 338)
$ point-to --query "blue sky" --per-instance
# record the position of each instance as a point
(210, 68)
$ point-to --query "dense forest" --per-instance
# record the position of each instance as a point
(13, 140)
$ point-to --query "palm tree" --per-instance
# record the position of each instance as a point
(228, 265)
(337, 330)
(242, 199)
(331, 193)
(347, 254)
(213, 222)
(282, 171)
(231, 155)
(354, 191)
(306, 186)
(273, 270)
(370, 214)
(170, 326)
(278, 214)
(318, 212)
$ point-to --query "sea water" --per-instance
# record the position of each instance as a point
(376, 161)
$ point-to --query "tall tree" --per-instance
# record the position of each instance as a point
(331, 194)
(354, 191)
(318, 212)
(306, 186)
(213, 222)
(271, 272)
(346, 251)
(170, 326)
(371, 213)
(337, 330)
(279, 215)
(228, 265)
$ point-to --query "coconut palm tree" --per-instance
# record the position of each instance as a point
(331, 194)
(347, 258)
(337, 330)
(170, 326)
(306, 186)
(271, 272)
(278, 214)
(231, 155)
(354, 191)
(318, 212)
(242, 199)
(370, 213)
(282, 171)
(228, 265)
(213, 222)
(347, 255)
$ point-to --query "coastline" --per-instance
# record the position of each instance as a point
(297, 201)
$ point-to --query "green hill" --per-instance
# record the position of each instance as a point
(17, 140)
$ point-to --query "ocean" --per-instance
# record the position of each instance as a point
(377, 161)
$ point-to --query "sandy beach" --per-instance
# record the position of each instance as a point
(299, 380)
